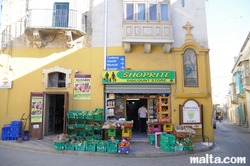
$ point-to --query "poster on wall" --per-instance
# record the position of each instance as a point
(6, 81)
(36, 107)
(82, 87)
(191, 113)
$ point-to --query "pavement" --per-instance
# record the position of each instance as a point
(140, 147)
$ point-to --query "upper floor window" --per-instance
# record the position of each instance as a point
(141, 12)
(190, 68)
(61, 14)
(56, 77)
(56, 80)
(146, 10)
(129, 11)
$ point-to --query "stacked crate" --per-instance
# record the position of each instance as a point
(84, 130)
(85, 124)
(6, 132)
(12, 131)
(167, 142)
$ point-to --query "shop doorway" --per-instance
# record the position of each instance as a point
(55, 111)
(132, 106)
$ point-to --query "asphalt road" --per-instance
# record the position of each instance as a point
(230, 142)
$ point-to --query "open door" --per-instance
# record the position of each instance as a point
(56, 108)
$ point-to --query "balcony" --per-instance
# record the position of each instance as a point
(147, 34)
(42, 24)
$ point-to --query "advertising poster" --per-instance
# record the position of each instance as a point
(82, 87)
(191, 113)
(36, 107)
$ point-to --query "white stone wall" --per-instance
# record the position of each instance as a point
(191, 10)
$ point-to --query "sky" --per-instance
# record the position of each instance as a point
(228, 24)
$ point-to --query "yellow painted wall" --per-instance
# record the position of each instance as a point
(15, 101)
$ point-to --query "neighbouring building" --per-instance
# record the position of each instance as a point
(113, 54)
(239, 98)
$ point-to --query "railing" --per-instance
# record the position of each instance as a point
(43, 19)
(11, 32)
(57, 19)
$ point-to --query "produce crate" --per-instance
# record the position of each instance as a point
(72, 114)
(101, 146)
(188, 148)
(111, 132)
(80, 125)
(70, 146)
(165, 136)
(91, 145)
(98, 118)
(60, 145)
(97, 136)
(168, 127)
(81, 133)
(89, 127)
(97, 127)
(156, 128)
(80, 147)
(112, 146)
(81, 115)
(127, 133)
(168, 148)
(71, 126)
(124, 150)
(89, 116)
(152, 139)
(178, 148)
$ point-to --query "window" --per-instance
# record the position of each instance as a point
(141, 12)
(152, 12)
(146, 10)
(57, 80)
(56, 77)
(130, 11)
(61, 14)
(190, 68)
(164, 12)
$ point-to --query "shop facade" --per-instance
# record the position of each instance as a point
(81, 77)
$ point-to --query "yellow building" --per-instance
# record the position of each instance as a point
(47, 71)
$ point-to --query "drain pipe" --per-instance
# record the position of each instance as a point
(105, 34)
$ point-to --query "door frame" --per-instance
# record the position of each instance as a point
(46, 109)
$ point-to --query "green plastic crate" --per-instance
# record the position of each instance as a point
(111, 132)
(72, 114)
(70, 146)
(91, 145)
(188, 148)
(168, 148)
(89, 127)
(152, 139)
(71, 126)
(101, 146)
(81, 133)
(98, 118)
(97, 127)
(112, 146)
(80, 125)
(60, 145)
(80, 147)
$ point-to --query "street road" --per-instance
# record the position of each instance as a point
(230, 141)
